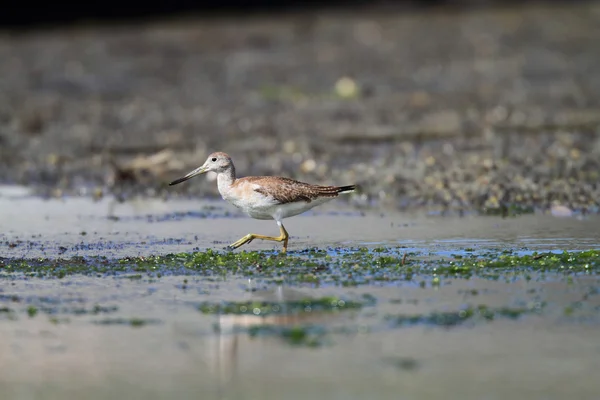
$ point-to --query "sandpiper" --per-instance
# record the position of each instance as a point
(264, 197)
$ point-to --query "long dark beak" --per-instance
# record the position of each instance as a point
(192, 174)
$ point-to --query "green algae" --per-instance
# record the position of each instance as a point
(507, 210)
(263, 308)
(297, 336)
(449, 319)
(345, 267)
(53, 306)
(402, 363)
(7, 313)
(32, 311)
(133, 322)
(56, 321)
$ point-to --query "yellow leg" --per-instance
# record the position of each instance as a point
(251, 236)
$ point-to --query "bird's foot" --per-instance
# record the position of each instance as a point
(251, 236)
(246, 239)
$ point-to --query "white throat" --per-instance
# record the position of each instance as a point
(224, 181)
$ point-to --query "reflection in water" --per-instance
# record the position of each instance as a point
(232, 344)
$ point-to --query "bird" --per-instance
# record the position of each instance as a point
(264, 197)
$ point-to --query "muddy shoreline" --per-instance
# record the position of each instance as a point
(494, 109)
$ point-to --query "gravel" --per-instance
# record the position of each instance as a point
(484, 110)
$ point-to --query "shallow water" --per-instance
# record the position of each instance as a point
(143, 336)
(31, 227)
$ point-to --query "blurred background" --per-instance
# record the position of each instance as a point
(449, 106)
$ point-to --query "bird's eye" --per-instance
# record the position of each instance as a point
(213, 159)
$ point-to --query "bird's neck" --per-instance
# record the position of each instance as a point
(225, 179)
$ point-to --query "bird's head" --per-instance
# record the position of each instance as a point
(216, 162)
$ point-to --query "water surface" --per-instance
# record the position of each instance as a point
(144, 336)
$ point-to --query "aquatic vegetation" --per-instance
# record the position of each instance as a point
(7, 313)
(449, 319)
(263, 308)
(508, 210)
(298, 335)
(32, 311)
(134, 322)
(402, 363)
(338, 266)
(53, 306)
(306, 322)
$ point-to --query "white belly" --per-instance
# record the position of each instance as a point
(260, 207)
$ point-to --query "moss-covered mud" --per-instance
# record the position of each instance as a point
(148, 304)
(332, 266)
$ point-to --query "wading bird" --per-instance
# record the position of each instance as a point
(264, 197)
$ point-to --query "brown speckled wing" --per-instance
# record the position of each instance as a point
(285, 190)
